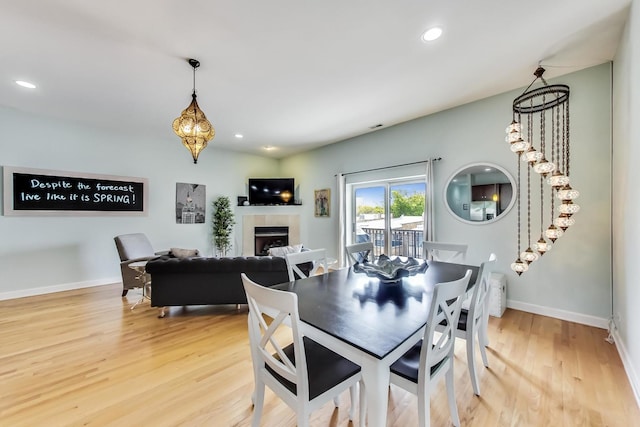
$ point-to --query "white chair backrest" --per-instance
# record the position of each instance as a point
(273, 325)
(359, 252)
(317, 256)
(444, 314)
(481, 290)
(445, 252)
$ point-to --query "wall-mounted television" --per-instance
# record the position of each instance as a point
(271, 191)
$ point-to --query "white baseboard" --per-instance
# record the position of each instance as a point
(628, 366)
(57, 288)
(569, 316)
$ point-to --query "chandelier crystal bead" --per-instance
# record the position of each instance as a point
(542, 246)
(513, 127)
(531, 155)
(529, 256)
(512, 137)
(553, 233)
(564, 221)
(558, 179)
(544, 167)
(567, 193)
(519, 266)
(568, 208)
(519, 146)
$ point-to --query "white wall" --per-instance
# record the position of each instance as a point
(573, 281)
(48, 253)
(626, 203)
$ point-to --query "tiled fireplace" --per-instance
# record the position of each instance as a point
(270, 237)
(264, 224)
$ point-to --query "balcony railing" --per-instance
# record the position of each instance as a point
(403, 242)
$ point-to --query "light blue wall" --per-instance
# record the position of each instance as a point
(62, 250)
(43, 252)
(575, 277)
(626, 203)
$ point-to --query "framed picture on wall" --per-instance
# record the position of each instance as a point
(190, 203)
(322, 200)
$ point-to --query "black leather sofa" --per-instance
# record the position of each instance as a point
(210, 280)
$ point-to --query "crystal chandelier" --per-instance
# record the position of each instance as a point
(192, 126)
(537, 114)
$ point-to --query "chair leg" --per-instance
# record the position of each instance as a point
(124, 292)
(258, 403)
(353, 394)
(485, 324)
(302, 418)
(424, 407)
(483, 350)
(362, 404)
(451, 396)
(471, 362)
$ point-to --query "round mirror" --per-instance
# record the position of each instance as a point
(480, 193)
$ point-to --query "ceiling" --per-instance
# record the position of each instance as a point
(290, 74)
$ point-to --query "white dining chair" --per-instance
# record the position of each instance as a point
(419, 369)
(445, 252)
(301, 372)
(359, 252)
(316, 256)
(474, 320)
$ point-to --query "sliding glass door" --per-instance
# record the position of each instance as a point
(391, 215)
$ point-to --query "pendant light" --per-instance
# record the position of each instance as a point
(545, 111)
(192, 126)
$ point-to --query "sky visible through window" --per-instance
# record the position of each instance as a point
(374, 196)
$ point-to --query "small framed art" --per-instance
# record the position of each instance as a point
(322, 200)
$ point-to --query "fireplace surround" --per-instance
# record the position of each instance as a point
(250, 222)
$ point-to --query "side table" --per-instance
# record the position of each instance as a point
(140, 268)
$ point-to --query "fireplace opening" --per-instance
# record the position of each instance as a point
(270, 237)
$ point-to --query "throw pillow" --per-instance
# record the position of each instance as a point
(282, 250)
(184, 253)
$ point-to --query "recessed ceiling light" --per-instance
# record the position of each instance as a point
(269, 147)
(239, 135)
(25, 84)
(432, 34)
(487, 169)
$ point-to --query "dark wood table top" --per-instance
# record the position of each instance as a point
(369, 315)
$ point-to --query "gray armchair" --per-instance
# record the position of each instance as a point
(132, 248)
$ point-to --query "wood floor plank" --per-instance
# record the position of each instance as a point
(84, 357)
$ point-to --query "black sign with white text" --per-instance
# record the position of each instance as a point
(36, 192)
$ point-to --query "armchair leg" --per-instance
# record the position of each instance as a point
(161, 312)
(124, 292)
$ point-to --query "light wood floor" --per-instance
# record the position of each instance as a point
(84, 358)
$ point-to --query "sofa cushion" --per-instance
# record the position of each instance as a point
(183, 253)
(283, 250)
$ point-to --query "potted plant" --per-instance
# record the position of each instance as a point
(222, 223)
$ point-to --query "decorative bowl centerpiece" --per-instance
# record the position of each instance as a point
(390, 270)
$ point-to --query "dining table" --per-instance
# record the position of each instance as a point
(370, 322)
